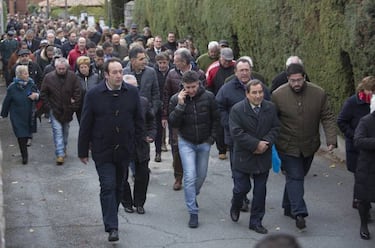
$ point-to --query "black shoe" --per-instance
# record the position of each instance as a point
(300, 222)
(24, 160)
(365, 234)
(140, 210)
(259, 229)
(113, 235)
(157, 157)
(245, 206)
(129, 210)
(193, 222)
(234, 214)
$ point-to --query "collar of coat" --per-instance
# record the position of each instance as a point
(103, 86)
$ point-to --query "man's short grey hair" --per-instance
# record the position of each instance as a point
(213, 44)
(51, 31)
(129, 78)
(60, 61)
(293, 60)
(248, 59)
(20, 69)
(185, 54)
(81, 38)
(29, 31)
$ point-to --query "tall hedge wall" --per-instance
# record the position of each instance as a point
(335, 38)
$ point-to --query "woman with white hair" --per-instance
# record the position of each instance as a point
(19, 103)
(364, 187)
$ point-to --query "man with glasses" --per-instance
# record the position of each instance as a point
(281, 78)
(301, 107)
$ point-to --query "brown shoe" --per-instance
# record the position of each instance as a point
(222, 156)
(177, 185)
(59, 160)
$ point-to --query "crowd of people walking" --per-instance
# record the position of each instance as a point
(129, 90)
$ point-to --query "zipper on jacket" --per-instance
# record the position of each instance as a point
(195, 120)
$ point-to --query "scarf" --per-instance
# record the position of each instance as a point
(364, 97)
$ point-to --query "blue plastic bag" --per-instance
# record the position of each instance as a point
(276, 162)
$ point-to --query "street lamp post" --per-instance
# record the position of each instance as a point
(66, 10)
(109, 13)
(47, 9)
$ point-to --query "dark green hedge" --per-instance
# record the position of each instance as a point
(335, 38)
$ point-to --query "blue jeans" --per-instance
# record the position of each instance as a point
(296, 168)
(194, 158)
(111, 176)
(60, 135)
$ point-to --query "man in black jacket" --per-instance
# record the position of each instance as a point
(31, 41)
(111, 130)
(193, 111)
(254, 127)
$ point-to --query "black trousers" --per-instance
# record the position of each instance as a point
(159, 132)
(22, 143)
(142, 178)
(177, 165)
(220, 144)
(242, 185)
(111, 176)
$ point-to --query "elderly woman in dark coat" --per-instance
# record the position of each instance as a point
(364, 188)
(142, 158)
(354, 108)
(19, 103)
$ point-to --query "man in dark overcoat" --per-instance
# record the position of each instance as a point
(254, 127)
(111, 130)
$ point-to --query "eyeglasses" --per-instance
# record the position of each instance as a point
(298, 80)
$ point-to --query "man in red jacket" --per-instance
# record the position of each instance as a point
(79, 50)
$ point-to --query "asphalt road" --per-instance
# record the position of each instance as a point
(58, 206)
